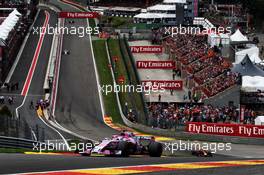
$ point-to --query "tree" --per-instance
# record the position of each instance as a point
(4, 111)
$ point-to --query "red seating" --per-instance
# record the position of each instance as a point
(206, 66)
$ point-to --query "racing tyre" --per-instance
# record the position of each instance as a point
(124, 148)
(155, 149)
(85, 154)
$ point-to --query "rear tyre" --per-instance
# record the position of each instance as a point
(85, 154)
(124, 148)
(155, 149)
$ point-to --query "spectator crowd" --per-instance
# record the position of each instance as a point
(210, 72)
(172, 115)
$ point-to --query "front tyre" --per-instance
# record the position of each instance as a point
(124, 148)
(155, 149)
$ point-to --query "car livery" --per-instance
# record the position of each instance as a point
(125, 144)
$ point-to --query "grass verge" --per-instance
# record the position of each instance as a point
(13, 150)
(23, 150)
(92, 23)
(120, 70)
(110, 103)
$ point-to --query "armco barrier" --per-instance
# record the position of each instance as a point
(202, 137)
(132, 60)
(136, 99)
(11, 142)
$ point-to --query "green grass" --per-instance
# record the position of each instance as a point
(23, 150)
(123, 22)
(116, 22)
(120, 71)
(133, 99)
(92, 23)
(110, 103)
(13, 150)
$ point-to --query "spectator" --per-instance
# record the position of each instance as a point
(167, 115)
(10, 100)
(159, 98)
(2, 99)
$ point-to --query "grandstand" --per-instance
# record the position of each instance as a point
(15, 19)
(204, 70)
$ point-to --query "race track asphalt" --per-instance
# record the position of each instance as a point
(78, 107)
(21, 163)
(252, 170)
(35, 91)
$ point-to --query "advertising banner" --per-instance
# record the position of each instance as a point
(155, 64)
(225, 129)
(163, 84)
(78, 14)
(146, 49)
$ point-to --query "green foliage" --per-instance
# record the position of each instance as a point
(4, 111)
(110, 103)
(116, 21)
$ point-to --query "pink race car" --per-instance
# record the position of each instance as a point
(125, 144)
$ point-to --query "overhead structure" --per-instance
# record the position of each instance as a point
(238, 37)
(174, 1)
(255, 59)
(252, 75)
(214, 39)
(259, 120)
(252, 83)
(169, 12)
(247, 68)
(203, 22)
(8, 24)
(217, 39)
(252, 52)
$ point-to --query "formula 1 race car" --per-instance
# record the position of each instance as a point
(202, 153)
(125, 144)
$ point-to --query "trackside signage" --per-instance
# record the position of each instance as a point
(78, 15)
(226, 129)
(163, 84)
(155, 64)
(146, 49)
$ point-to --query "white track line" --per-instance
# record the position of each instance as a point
(96, 75)
(94, 64)
(56, 124)
(65, 141)
(57, 73)
(24, 99)
(17, 114)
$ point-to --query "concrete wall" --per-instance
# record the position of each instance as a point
(223, 98)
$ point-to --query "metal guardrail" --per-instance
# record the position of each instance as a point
(12, 142)
(132, 60)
